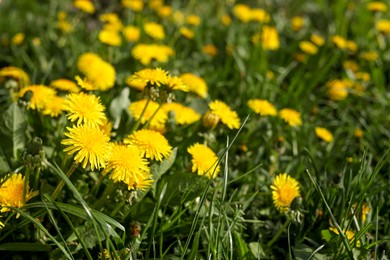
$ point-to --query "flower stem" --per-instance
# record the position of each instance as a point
(138, 122)
(280, 231)
(107, 192)
(150, 119)
(62, 182)
(26, 181)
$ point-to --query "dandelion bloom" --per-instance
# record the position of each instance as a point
(308, 47)
(134, 5)
(41, 95)
(297, 23)
(11, 192)
(18, 39)
(226, 19)
(262, 107)
(65, 85)
(186, 32)
(91, 145)
(195, 83)
(260, 15)
(370, 55)
(152, 144)
(154, 30)
(351, 65)
(338, 89)
(210, 50)
(225, 114)
(111, 22)
(110, 37)
(291, 116)
(84, 108)
(317, 39)
(324, 134)
(383, 26)
(54, 106)
(242, 12)
(284, 190)
(204, 160)
(193, 19)
(348, 233)
(84, 5)
(131, 33)
(145, 53)
(153, 77)
(358, 133)
(15, 73)
(183, 115)
(269, 38)
(377, 6)
(339, 41)
(127, 165)
(135, 83)
(165, 11)
(159, 118)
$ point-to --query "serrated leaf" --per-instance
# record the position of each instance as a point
(119, 105)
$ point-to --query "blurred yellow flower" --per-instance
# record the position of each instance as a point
(358, 133)
(352, 46)
(112, 38)
(224, 113)
(134, 5)
(135, 83)
(324, 134)
(111, 22)
(131, 33)
(383, 26)
(291, 117)
(18, 39)
(11, 192)
(361, 75)
(15, 73)
(154, 30)
(41, 95)
(269, 38)
(317, 39)
(193, 20)
(84, 5)
(152, 144)
(308, 47)
(165, 11)
(338, 89)
(377, 6)
(155, 4)
(259, 15)
(183, 115)
(262, 107)
(210, 50)
(242, 12)
(297, 23)
(186, 32)
(145, 53)
(153, 77)
(90, 145)
(65, 85)
(226, 19)
(204, 160)
(85, 109)
(127, 165)
(351, 65)
(369, 55)
(339, 41)
(284, 190)
(195, 83)
(159, 118)
(54, 106)
(348, 233)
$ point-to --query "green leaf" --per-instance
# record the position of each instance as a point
(326, 235)
(241, 248)
(257, 250)
(4, 166)
(12, 130)
(20, 246)
(119, 105)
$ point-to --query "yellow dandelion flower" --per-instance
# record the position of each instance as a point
(204, 160)
(159, 119)
(361, 75)
(348, 233)
(62, 24)
(106, 127)
(339, 41)
(15, 73)
(352, 46)
(284, 190)
(324, 134)
(135, 83)
(383, 26)
(91, 146)
(84, 5)
(297, 23)
(154, 30)
(186, 32)
(262, 107)
(210, 50)
(127, 165)
(110, 37)
(338, 89)
(65, 85)
(370, 55)
(317, 39)
(84, 83)
(11, 192)
(226, 19)
(54, 106)
(134, 5)
(225, 114)
(193, 20)
(165, 11)
(291, 117)
(18, 39)
(242, 12)
(153, 77)
(183, 115)
(377, 6)
(269, 38)
(308, 47)
(111, 22)
(131, 33)
(195, 83)
(155, 4)
(84, 108)
(41, 95)
(260, 15)
(175, 83)
(152, 144)
(145, 53)
(351, 65)
(358, 133)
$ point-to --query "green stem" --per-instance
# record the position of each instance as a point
(26, 181)
(280, 231)
(62, 182)
(150, 119)
(107, 192)
(138, 122)
(120, 205)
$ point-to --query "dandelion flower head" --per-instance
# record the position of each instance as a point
(284, 190)
(41, 95)
(15, 73)
(262, 107)
(183, 115)
(65, 85)
(204, 160)
(291, 117)
(225, 114)
(195, 83)
(324, 134)
(154, 30)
